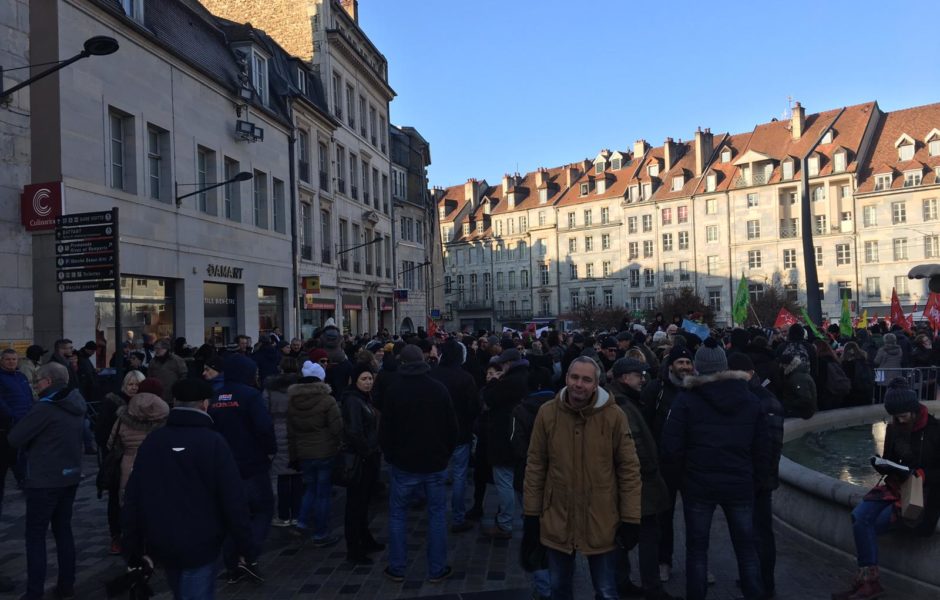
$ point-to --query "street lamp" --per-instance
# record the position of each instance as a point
(239, 177)
(99, 45)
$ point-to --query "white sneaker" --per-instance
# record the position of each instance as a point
(711, 578)
(665, 572)
(280, 522)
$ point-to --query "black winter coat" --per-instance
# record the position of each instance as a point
(523, 421)
(464, 395)
(501, 398)
(769, 479)
(919, 450)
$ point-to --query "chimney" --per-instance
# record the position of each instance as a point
(703, 149)
(669, 154)
(541, 177)
(470, 192)
(351, 7)
(797, 121)
(571, 174)
(507, 183)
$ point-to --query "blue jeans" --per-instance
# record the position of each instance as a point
(318, 495)
(542, 582)
(403, 486)
(870, 519)
(764, 537)
(502, 477)
(259, 496)
(698, 522)
(192, 584)
(460, 461)
(45, 506)
(603, 575)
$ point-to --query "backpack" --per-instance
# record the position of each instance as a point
(837, 382)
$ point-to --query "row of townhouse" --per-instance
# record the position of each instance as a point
(191, 99)
(630, 228)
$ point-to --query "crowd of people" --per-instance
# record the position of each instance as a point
(590, 436)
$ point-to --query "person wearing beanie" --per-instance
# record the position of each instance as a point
(655, 402)
(912, 439)
(465, 397)
(716, 435)
(214, 372)
(167, 367)
(239, 414)
(418, 433)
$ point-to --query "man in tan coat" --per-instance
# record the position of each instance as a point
(582, 483)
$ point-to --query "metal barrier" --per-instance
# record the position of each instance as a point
(922, 380)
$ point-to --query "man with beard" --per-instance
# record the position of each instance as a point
(656, 400)
(608, 353)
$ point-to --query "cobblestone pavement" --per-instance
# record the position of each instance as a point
(483, 569)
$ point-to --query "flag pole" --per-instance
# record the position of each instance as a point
(754, 312)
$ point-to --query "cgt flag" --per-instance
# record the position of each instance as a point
(932, 310)
(784, 319)
(897, 313)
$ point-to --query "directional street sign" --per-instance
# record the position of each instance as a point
(93, 260)
(83, 233)
(76, 274)
(88, 218)
(86, 251)
(86, 286)
(85, 247)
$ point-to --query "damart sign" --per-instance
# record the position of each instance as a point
(225, 271)
(41, 205)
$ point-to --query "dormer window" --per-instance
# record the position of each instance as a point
(466, 229)
(134, 9)
(726, 155)
(711, 182)
(259, 75)
(933, 143)
(479, 226)
(302, 81)
(838, 161)
(788, 169)
(882, 182)
(647, 191)
(601, 185)
(827, 138)
(912, 178)
(677, 183)
(585, 188)
(543, 195)
(813, 166)
(905, 152)
(442, 212)
(653, 169)
(615, 164)
(599, 166)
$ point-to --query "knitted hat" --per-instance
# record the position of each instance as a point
(679, 351)
(622, 366)
(358, 370)
(150, 385)
(900, 398)
(317, 354)
(710, 358)
(313, 369)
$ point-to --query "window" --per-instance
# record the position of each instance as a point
(788, 169)
(789, 227)
(572, 245)
(683, 214)
(511, 279)
(362, 116)
(546, 305)
(605, 241)
(905, 152)
(524, 279)
(752, 200)
(376, 202)
(134, 9)
(754, 259)
(588, 244)
(575, 298)
(711, 206)
(232, 191)
(605, 215)
(838, 162)
(871, 251)
(337, 95)
(584, 189)
(634, 250)
(588, 217)
(653, 169)
(365, 182)
(677, 183)
(789, 258)
(648, 249)
(898, 212)
(605, 268)
(873, 287)
(753, 229)
(647, 222)
(121, 132)
(845, 192)
(158, 187)
(260, 199)
(933, 146)
(498, 226)
(931, 246)
(900, 248)
(822, 292)
(383, 133)
(912, 178)
(324, 167)
(608, 298)
(667, 242)
(303, 155)
(487, 286)
(372, 119)
(634, 278)
(277, 205)
(649, 278)
(340, 169)
(900, 285)
(205, 176)
(302, 81)
(523, 224)
(350, 101)
(683, 240)
(818, 193)
(843, 254)
(599, 166)
(817, 250)
(588, 270)
(541, 218)
(667, 272)
(726, 155)
(711, 233)
(714, 300)
(755, 291)
(384, 194)
(711, 182)
(870, 216)
(667, 216)
(466, 229)
(573, 273)
(647, 191)
(882, 182)
(930, 209)
(845, 290)
(846, 217)
(711, 265)
(631, 225)
(791, 292)
(571, 221)
(306, 231)
(543, 274)
(399, 184)
(812, 166)
(820, 224)
(650, 303)
(259, 76)
(353, 176)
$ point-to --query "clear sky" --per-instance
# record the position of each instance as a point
(497, 86)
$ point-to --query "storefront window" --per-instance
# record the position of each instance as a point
(221, 313)
(270, 309)
(148, 306)
(314, 314)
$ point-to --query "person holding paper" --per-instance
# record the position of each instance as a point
(912, 440)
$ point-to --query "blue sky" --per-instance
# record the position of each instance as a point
(499, 86)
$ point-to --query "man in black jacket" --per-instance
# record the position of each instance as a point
(185, 497)
(501, 398)
(418, 434)
(463, 393)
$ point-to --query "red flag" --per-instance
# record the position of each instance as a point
(784, 319)
(910, 318)
(897, 313)
(932, 310)
(432, 327)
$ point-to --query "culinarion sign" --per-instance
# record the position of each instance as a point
(41, 205)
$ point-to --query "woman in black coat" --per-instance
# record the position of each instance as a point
(361, 423)
(858, 370)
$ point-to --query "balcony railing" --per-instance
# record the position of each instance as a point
(473, 304)
(324, 181)
(754, 179)
(325, 256)
(514, 315)
(306, 252)
(789, 231)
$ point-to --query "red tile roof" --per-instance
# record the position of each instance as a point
(916, 122)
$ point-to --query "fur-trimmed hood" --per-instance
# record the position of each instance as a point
(144, 412)
(304, 396)
(725, 390)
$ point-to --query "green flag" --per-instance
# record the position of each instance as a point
(845, 319)
(739, 311)
(809, 323)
